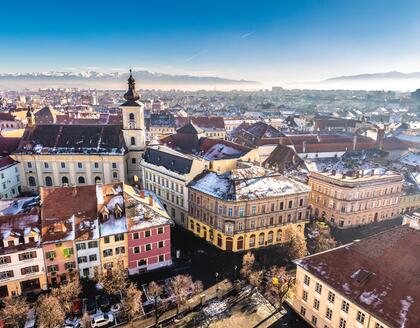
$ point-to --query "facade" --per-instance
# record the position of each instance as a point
(160, 125)
(8, 121)
(22, 268)
(167, 172)
(113, 242)
(367, 284)
(212, 126)
(364, 197)
(245, 208)
(9, 178)
(149, 231)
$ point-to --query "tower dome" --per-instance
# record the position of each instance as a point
(131, 94)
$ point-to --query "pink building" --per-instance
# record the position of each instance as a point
(149, 232)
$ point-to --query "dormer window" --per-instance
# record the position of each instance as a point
(11, 243)
(118, 210)
(105, 213)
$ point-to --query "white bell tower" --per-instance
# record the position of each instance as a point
(133, 130)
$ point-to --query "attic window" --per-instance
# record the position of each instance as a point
(58, 227)
(360, 275)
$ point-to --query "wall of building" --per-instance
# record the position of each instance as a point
(10, 182)
(61, 260)
(108, 261)
(91, 266)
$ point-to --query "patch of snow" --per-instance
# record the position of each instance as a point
(215, 308)
(405, 307)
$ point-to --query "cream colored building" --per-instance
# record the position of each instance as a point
(246, 208)
(367, 284)
(345, 201)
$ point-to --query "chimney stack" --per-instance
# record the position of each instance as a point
(304, 146)
(142, 194)
(354, 141)
(150, 200)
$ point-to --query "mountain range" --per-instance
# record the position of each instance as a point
(376, 76)
(109, 80)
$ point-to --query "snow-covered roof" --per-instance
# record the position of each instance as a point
(247, 184)
(222, 151)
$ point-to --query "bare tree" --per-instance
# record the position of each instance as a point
(14, 311)
(323, 241)
(155, 291)
(67, 294)
(131, 302)
(85, 321)
(248, 265)
(297, 243)
(183, 287)
(114, 281)
(49, 312)
(280, 284)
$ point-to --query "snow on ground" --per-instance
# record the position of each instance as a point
(215, 308)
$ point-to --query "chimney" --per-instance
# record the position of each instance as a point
(150, 200)
(354, 141)
(380, 138)
(362, 173)
(304, 146)
(142, 194)
(344, 176)
(333, 172)
(74, 192)
(357, 174)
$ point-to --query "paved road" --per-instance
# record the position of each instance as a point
(345, 236)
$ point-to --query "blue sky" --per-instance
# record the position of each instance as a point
(268, 41)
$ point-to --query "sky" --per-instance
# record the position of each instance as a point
(267, 41)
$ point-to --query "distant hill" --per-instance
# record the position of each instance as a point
(393, 75)
(113, 80)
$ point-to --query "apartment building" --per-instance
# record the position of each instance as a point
(167, 172)
(149, 231)
(347, 200)
(212, 126)
(9, 178)
(22, 268)
(245, 208)
(113, 229)
(367, 284)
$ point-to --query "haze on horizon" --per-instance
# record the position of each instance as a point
(273, 42)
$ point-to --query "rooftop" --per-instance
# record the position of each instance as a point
(381, 274)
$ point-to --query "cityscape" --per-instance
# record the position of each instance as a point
(210, 183)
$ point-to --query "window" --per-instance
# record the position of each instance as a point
(92, 244)
(142, 262)
(345, 306)
(314, 320)
(46, 165)
(68, 252)
(133, 161)
(31, 181)
(316, 304)
(50, 255)
(378, 325)
(147, 233)
(160, 230)
(106, 240)
(63, 165)
(290, 203)
(331, 297)
(96, 165)
(107, 252)
(302, 311)
(360, 317)
(5, 259)
(161, 258)
(64, 180)
(52, 268)
(115, 175)
(136, 235)
(318, 288)
(119, 237)
(79, 165)
(81, 180)
(161, 244)
(254, 210)
(69, 265)
(328, 315)
(342, 323)
(114, 165)
(136, 250)
(131, 117)
(301, 202)
(27, 256)
(230, 211)
(29, 164)
(82, 259)
(80, 246)
(120, 250)
(6, 274)
(148, 247)
(306, 280)
(305, 296)
(93, 257)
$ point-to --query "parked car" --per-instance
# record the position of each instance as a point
(116, 307)
(101, 320)
(71, 323)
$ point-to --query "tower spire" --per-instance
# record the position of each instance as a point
(131, 93)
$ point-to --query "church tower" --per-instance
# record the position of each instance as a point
(30, 118)
(133, 130)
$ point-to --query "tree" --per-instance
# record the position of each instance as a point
(248, 264)
(323, 241)
(155, 292)
(114, 281)
(280, 284)
(183, 287)
(131, 302)
(67, 294)
(14, 311)
(85, 321)
(297, 243)
(49, 312)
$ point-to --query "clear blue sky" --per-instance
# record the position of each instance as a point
(269, 41)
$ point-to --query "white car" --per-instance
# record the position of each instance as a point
(101, 320)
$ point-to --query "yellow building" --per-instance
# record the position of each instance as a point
(367, 284)
(245, 208)
(409, 202)
(364, 197)
(113, 242)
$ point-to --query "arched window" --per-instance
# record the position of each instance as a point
(48, 181)
(114, 175)
(229, 243)
(279, 235)
(81, 180)
(131, 117)
(261, 239)
(240, 243)
(98, 180)
(270, 237)
(133, 141)
(32, 182)
(252, 241)
(64, 180)
(219, 240)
